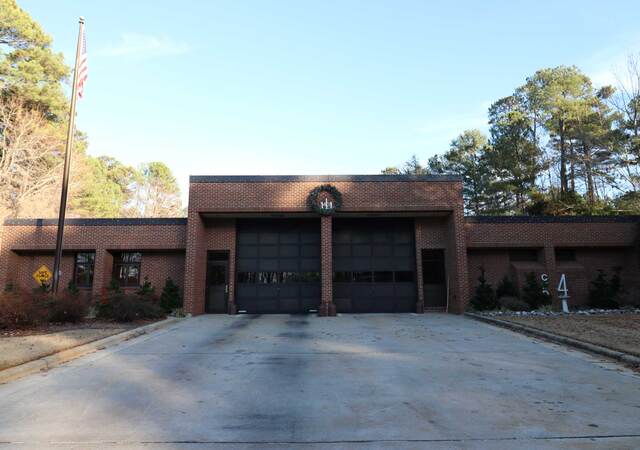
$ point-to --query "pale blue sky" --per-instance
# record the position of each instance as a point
(325, 87)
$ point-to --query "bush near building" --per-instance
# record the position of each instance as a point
(484, 297)
(606, 292)
(170, 299)
(127, 307)
(67, 308)
(22, 309)
(19, 309)
(506, 288)
(532, 292)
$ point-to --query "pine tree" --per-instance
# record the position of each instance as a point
(513, 155)
(170, 298)
(532, 292)
(484, 297)
(467, 156)
(506, 288)
(29, 69)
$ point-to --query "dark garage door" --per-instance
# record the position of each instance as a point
(278, 266)
(374, 265)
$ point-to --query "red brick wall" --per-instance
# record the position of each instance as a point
(204, 236)
(430, 233)
(327, 307)
(215, 199)
(540, 234)
(20, 242)
(221, 235)
(172, 248)
(598, 243)
(444, 233)
(357, 196)
(26, 265)
(195, 269)
(160, 266)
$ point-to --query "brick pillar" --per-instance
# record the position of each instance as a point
(102, 271)
(232, 308)
(10, 266)
(419, 281)
(457, 264)
(195, 265)
(327, 307)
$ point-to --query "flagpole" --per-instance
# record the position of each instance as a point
(67, 162)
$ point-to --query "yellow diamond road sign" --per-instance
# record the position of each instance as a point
(42, 275)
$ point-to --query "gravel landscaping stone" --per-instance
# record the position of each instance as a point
(619, 332)
(550, 313)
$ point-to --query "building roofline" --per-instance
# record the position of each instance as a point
(99, 222)
(183, 220)
(552, 219)
(316, 178)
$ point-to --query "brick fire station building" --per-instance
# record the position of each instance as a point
(325, 244)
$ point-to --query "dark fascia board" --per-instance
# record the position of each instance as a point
(316, 178)
(97, 222)
(552, 219)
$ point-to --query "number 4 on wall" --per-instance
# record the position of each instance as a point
(563, 293)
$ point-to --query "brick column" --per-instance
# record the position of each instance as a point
(232, 308)
(102, 271)
(419, 281)
(457, 264)
(195, 265)
(10, 265)
(327, 307)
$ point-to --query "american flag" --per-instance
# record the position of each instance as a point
(83, 69)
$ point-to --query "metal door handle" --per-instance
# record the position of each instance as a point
(226, 288)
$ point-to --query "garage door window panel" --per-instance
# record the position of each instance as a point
(289, 251)
(360, 251)
(268, 251)
(266, 237)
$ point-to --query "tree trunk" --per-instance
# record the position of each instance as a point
(572, 172)
(563, 160)
(588, 169)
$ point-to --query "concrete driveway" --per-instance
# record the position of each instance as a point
(367, 381)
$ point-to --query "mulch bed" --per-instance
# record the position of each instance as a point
(57, 327)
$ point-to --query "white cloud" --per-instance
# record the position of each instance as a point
(135, 44)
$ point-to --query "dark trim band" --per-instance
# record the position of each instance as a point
(97, 222)
(552, 219)
(316, 178)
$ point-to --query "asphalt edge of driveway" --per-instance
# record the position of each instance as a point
(48, 362)
(558, 339)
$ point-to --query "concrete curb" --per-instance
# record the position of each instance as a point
(593, 348)
(48, 362)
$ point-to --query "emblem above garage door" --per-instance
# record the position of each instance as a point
(278, 268)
